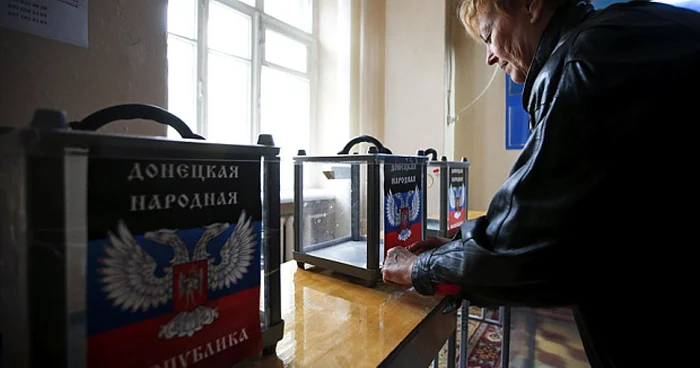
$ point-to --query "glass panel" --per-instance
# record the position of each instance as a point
(182, 18)
(435, 177)
(449, 206)
(182, 82)
(297, 13)
(334, 211)
(285, 113)
(229, 31)
(228, 96)
(284, 51)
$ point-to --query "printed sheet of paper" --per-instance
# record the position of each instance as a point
(61, 20)
(403, 204)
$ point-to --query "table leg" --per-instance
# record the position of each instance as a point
(464, 335)
(505, 340)
(451, 350)
(531, 328)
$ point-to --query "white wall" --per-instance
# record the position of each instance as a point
(333, 80)
(126, 61)
(414, 113)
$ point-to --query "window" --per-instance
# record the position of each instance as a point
(238, 68)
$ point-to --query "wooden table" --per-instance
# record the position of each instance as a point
(333, 321)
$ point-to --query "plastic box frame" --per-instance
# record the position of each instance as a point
(49, 136)
(371, 273)
(442, 228)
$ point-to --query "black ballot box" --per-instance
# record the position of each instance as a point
(132, 251)
(378, 202)
(447, 194)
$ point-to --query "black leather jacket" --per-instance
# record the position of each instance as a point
(592, 213)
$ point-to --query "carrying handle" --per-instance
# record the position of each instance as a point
(365, 139)
(433, 152)
(110, 114)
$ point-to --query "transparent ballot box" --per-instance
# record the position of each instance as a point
(447, 194)
(377, 203)
(132, 251)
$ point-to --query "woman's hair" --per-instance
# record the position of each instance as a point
(469, 10)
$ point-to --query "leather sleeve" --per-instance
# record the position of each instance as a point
(531, 246)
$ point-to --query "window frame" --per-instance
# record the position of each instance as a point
(260, 22)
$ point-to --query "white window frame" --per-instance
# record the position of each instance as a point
(260, 21)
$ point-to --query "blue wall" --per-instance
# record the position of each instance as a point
(517, 119)
(690, 4)
(599, 4)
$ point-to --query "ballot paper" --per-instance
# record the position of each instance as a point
(60, 20)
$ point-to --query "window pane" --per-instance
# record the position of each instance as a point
(228, 100)
(298, 13)
(182, 18)
(182, 81)
(285, 113)
(284, 51)
(228, 30)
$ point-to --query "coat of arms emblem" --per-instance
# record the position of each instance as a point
(129, 274)
(457, 198)
(401, 209)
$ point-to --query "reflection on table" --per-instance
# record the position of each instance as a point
(332, 320)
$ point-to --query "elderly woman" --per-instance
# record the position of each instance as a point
(590, 215)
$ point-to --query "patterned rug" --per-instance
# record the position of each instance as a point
(484, 349)
(557, 342)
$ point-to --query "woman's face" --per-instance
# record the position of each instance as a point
(511, 39)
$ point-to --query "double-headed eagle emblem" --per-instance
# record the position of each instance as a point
(402, 208)
(457, 197)
(128, 273)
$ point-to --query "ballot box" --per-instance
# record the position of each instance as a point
(447, 194)
(133, 251)
(377, 203)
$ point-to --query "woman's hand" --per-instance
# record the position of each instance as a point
(398, 266)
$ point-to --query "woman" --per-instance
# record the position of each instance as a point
(589, 215)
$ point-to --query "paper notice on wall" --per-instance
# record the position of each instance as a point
(60, 20)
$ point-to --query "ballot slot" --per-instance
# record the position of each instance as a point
(373, 201)
(126, 250)
(447, 192)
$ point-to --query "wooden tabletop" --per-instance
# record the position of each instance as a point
(333, 321)
(470, 215)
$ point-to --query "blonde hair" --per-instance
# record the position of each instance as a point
(469, 10)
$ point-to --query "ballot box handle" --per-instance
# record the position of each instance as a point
(431, 152)
(365, 139)
(111, 114)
